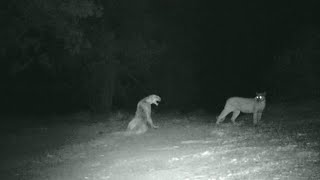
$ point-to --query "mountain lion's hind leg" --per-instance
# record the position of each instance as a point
(222, 115)
(234, 116)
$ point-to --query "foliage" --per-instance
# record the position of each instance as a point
(32, 25)
(294, 72)
(81, 45)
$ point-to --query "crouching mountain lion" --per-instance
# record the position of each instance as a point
(236, 105)
(138, 125)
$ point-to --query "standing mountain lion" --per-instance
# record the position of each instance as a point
(236, 105)
(138, 125)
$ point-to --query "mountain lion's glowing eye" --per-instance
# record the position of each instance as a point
(259, 98)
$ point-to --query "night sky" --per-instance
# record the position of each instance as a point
(61, 57)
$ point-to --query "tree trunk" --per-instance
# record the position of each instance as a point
(101, 85)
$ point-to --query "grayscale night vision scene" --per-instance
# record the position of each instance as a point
(159, 90)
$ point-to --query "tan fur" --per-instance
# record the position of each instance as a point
(246, 105)
(138, 125)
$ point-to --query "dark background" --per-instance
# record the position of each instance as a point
(66, 56)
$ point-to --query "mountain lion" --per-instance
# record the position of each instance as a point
(138, 125)
(236, 105)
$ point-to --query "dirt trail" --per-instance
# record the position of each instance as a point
(182, 148)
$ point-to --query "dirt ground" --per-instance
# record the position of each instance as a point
(190, 146)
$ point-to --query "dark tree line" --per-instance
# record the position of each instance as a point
(59, 55)
(295, 73)
(81, 53)
(64, 49)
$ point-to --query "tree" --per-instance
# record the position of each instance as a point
(295, 70)
(81, 44)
